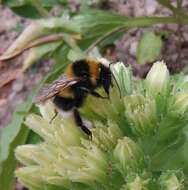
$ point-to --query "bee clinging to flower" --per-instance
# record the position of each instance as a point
(80, 79)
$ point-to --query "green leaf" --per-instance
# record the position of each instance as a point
(10, 132)
(37, 38)
(11, 136)
(7, 178)
(33, 138)
(26, 9)
(149, 48)
(169, 138)
(53, 187)
(37, 53)
(179, 157)
(96, 24)
(40, 28)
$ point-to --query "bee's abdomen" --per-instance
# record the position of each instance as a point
(66, 104)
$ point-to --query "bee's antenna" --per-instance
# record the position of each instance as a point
(115, 80)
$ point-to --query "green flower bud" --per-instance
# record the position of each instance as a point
(136, 183)
(128, 156)
(47, 111)
(172, 180)
(106, 137)
(157, 79)
(36, 177)
(25, 154)
(65, 132)
(94, 168)
(123, 77)
(31, 177)
(181, 103)
(141, 113)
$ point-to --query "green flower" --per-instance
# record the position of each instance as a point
(66, 155)
(135, 182)
(172, 180)
(141, 113)
(133, 140)
(106, 137)
(123, 77)
(181, 103)
(157, 79)
(128, 156)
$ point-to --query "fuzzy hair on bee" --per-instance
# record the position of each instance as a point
(80, 79)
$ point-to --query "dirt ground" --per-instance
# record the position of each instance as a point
(15, 92)
(175, 48)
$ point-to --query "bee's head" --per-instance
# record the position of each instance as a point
(81, 69)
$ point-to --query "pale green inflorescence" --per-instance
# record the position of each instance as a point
(137, 183)
(172, 180)
(128, 157)
(157, 79)
(135, 136)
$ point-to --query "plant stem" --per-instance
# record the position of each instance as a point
(179, 4)
(179, 12)
(37, 4)
(102, 38)
(148, 21)
(134, 22)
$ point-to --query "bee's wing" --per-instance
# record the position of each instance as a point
(51, 90)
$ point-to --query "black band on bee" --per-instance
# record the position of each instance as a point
(81, 68)
(67, 104)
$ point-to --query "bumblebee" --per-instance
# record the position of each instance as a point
(80, 79)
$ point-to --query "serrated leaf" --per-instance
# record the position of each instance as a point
(149, 48)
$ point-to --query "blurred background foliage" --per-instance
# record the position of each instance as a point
(64, 31)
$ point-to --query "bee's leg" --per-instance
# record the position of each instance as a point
(80, 123)
(54, 116)
(96, 94)
(93, 93)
